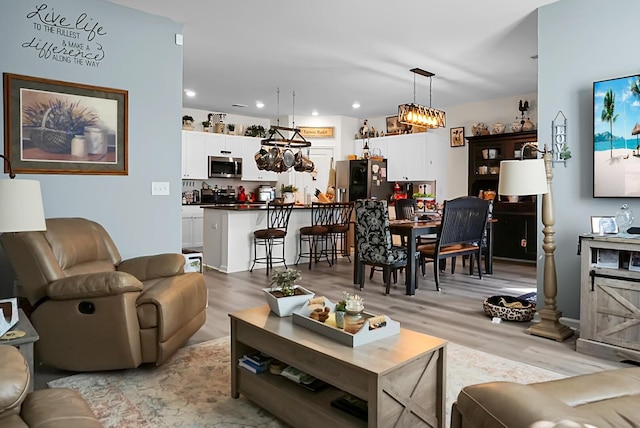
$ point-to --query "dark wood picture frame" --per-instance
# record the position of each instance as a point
(395, 128)
(457, 136)
(56, 127)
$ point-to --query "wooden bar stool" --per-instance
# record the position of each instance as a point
(274, 235)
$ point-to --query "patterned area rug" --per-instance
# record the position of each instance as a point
(193, 389)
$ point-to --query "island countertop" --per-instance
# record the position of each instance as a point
(246, 207)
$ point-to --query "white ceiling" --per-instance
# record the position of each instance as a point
(333, 53)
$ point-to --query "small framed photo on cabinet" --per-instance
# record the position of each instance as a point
(634, 261)
(608, 259)
(603, 225)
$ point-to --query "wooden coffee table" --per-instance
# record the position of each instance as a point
(402, 377)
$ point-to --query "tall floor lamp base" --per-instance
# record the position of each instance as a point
(549, 326)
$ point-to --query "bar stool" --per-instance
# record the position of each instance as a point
(317, 233)
(339, 229)
(277, 222)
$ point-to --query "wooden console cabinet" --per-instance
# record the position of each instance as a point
(401, 377)
(516, 228)
(610, 297)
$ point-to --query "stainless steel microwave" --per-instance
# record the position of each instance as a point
(225, 167)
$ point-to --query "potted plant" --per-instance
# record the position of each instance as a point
(255, 131)
(284, 296)
(288, 193)
(206, 126)
(231, 127)
(340, 309)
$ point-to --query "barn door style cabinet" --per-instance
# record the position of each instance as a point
(516, 230)
(610, 297)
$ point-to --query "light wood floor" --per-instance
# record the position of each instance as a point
(454, 314)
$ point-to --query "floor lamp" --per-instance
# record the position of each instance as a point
(534, 177)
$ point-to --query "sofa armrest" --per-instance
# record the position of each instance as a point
(509, 404)
(150, 267)
(93, 285)
(14, 380)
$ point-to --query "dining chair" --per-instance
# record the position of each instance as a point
(373, 240)
(461, 233)
(274, 235)
(317, 234)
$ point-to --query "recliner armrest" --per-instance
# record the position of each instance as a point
(157, 266)
(509, 404)
(93, 285)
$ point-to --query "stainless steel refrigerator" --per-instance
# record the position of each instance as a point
(362, 179)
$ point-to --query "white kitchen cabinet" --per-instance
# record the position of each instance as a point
(223, 145)
(192, 226)
(194, 160)
(250, 171)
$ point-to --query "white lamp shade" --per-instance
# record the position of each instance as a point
(21, 206)
(522, 177)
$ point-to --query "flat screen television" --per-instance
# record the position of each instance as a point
(616, 137)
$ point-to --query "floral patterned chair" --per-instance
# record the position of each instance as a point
(373, 241)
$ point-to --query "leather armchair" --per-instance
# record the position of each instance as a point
(603, 399)
(94, 311)
(46, 408)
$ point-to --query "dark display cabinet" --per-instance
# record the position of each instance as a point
(515, 232)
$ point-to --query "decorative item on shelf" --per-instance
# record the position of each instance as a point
(498, 128)
(365, 149)
(231, 128)
(561, 152)
(255, 131)
(534, 177)
(206, 126)
(624, 219)
(516, 126)
(187, 123)
(284, 296)
(523, 107)
(416, 114)
(353, 318)
(528, 125)
(479, 128)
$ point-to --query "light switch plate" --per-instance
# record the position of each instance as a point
(159, 188)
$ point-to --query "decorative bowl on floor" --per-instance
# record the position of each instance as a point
(509, 308)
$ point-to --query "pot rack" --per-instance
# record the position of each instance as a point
(276, 138)
(280, 140)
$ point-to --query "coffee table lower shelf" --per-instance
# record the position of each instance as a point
(281, 396)
(402, 378)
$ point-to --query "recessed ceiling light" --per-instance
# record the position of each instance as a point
(189, 93)
(355, 105)
(259, 104)
(314, 113)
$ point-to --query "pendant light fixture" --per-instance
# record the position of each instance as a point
(416, 114)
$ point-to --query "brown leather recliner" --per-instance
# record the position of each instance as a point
(57, 407)
(94, 311)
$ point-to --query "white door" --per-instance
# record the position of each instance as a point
(321, 157)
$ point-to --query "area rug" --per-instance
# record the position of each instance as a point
(193, 388)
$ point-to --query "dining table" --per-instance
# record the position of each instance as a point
(412, 229)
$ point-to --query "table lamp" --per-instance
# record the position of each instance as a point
(534, 177)
(20, 204)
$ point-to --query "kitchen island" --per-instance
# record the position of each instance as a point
(228, 235)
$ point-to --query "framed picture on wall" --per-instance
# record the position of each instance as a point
(616, 137)
(457, 136)
(56, 127)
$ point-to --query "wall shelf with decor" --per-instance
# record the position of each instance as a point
(516, 229)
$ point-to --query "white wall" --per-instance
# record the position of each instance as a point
(579, 42)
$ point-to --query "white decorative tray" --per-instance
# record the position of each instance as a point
(329, 329)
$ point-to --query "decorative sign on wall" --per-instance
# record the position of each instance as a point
(73, 39)
(316, 132)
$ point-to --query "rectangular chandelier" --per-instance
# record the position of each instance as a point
(416, 114)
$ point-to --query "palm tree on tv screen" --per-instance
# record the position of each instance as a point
(608, 115)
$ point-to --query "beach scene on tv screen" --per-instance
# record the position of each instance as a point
(616, 137)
